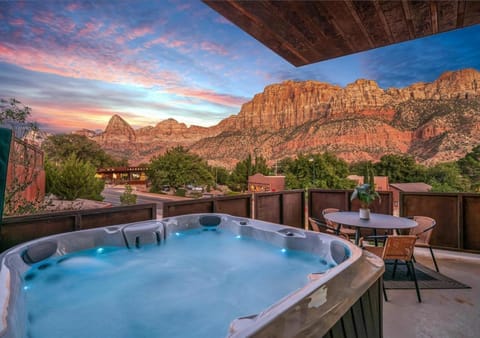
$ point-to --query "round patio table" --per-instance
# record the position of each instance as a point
(376, 221)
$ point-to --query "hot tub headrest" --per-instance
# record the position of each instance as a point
(210, 220)
(39, 251)
(339, 252)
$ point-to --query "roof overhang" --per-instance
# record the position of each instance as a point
(305, 32)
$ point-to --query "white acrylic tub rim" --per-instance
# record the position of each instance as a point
(13, 263)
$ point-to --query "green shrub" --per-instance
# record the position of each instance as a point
(180, 192)
(128, 197)
(74, 179)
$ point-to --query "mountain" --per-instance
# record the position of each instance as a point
(435, 122)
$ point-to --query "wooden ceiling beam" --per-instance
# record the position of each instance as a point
(386, 26)
(434, 14)
(408, 18)
(460, 13)
(305, 32)
(353, 13)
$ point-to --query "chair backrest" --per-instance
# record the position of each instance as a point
(399, 247)
(424, 229)
(319, 226)
(331, 224)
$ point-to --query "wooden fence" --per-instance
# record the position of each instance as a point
(319, 199)
(457, 216)
(283, 207)
(239, 205)
(19, 229)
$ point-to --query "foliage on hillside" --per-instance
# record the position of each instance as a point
(59, 148)
(412, 114)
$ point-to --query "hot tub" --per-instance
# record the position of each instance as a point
(196, 275)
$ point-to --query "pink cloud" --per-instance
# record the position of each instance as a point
(73, 6)
(210, 96)
(55, 22)
(17, 22)
(85, 63)
(139, 32)
(213, 48)
(165, 41)
(90, 27)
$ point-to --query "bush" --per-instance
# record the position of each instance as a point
(74, 179)
(128, 198)
(180, 192)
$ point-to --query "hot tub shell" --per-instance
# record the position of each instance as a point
(344, 301)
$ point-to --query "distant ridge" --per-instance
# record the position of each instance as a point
(435, 122)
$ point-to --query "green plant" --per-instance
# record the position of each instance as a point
(128, 197)
(366, 193)
(73, 179)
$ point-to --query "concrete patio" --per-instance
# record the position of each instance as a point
(443, 312)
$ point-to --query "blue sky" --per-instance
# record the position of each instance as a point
(76, 63)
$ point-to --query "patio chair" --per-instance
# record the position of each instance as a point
(398, 248)
(423, 232)
(320, 226)
(344, 230)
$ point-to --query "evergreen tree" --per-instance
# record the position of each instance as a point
(470, 168)
(74, 179)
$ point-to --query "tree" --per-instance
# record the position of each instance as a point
(60, 147)
(220, 174)
(73, 179)
(177, 168)
(128, 197)
(239, 178)
(316, 170)
(470, 167)
(400, 168)
(14, 115)
(447, 177)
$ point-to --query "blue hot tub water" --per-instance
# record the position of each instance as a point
(192, 285)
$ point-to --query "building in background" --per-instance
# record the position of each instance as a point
(123, 175)
(381, 182)
(396, 188)
(261, 183)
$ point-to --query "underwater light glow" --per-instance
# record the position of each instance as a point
(100, 250)
(284, 250)
(26, 287)
(238, 237)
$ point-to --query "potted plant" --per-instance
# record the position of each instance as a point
(366, 194)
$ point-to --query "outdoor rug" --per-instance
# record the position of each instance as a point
(427, 278)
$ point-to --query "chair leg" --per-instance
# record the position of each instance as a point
(394, 268)
(434, 260)
(415, 280)
(384, 292)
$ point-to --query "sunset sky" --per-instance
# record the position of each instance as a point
(76, 63)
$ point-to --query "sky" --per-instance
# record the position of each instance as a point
(77, 63)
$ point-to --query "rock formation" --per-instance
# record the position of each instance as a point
(435, 122)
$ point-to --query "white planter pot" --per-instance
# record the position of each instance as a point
(364, 213)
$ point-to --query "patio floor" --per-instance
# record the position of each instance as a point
(442, 313)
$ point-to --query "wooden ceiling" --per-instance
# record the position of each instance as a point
(304, 32)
